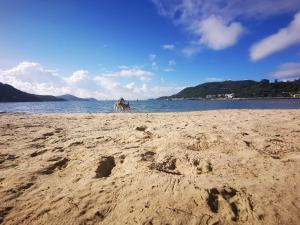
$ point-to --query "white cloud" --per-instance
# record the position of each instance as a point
(216, 34)
(130, 85)
(31, 71)
(199, 16)
(132, 90)
(143, 75)
(33, 78)
(183, 11)
(289, 70)
(127, 82)
(107, 82)
(111, 86)
(168, 46)
(77, 76)
(283, 39)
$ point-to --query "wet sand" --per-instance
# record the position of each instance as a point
(212, 167)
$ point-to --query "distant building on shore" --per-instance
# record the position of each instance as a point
(222, 96)
(231, 95)
(296, 95)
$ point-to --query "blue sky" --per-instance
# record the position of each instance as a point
(145, 48)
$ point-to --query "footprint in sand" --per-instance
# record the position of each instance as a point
(7, 161)
(58, 149)
(9, 157)
(48, 134)
(229, 204)
(105, 166)
(58, 130)
(60, 164)
(205, 167)
(248, 143)
(36, 153)
(147, 156)
(17, 191)
(76, 143)
(43, 137)
(4, 212)
(141, 128)
(168, 165)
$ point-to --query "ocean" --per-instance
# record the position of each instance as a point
(148, 105)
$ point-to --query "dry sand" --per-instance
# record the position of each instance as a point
(213, 167)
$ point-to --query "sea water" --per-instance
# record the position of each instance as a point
(148, 105)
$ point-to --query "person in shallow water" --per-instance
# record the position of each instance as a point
(121, 100)
(121, 106)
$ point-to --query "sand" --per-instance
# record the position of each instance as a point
(211, 167)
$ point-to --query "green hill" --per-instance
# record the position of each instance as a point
(241, 89)
(10, 94)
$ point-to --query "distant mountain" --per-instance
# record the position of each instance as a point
(241, 89)
(10, 94)
(74, 98)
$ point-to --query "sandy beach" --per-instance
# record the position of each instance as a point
(210, 167)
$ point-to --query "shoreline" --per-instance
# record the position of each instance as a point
(142, 113)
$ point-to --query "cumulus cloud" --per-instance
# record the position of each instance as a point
(183, 11)
(77, 76)
(128, 82)
(33, 78)
(283, 39)
(290, 70)
(196, 16)
(31, 71)
(143, 75)
(114, 89)
(168, 46)
(216, 34)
